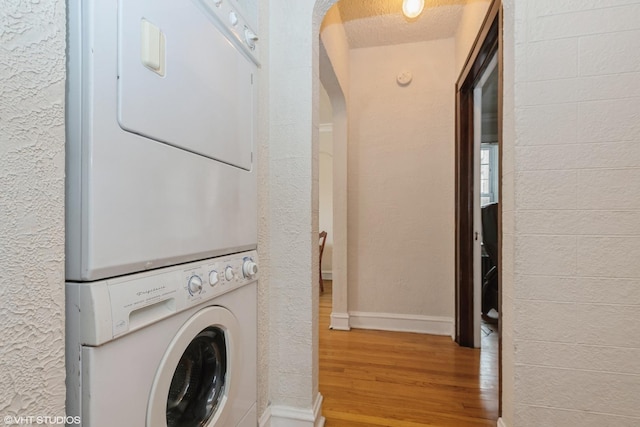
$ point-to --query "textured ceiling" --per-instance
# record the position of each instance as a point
(371, 23)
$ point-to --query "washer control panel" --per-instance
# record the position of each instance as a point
(210, 278)
(124, 304)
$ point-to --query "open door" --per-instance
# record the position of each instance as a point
(486, 175)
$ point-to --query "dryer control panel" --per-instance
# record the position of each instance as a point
(115, 307)
(234, 25)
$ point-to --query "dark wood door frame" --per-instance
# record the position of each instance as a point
(483, 50)
(486, 45)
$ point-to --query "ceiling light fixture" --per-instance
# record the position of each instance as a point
(412, 8)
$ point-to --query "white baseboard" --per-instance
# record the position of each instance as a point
(432, 325)
(340, 321)
(501, 423)
(286, 416)
(327, 275)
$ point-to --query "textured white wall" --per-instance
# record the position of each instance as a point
(32, 72)
(293, 210)
(264, 213)
(574, 218)
(507, 169)
(473, 14)
(401, 180)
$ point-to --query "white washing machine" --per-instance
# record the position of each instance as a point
(175, 347)
(161, 134)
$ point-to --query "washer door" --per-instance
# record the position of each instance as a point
(195, 380)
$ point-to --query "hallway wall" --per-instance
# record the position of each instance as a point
(325, 219)
(32, 168)
(325, 179)
(572, 213)
(400, 181)
(473, 14)
(334, 74)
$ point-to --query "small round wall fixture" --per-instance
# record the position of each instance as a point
(404, 78)
(412, 8)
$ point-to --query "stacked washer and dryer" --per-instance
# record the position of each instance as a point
(161, 214)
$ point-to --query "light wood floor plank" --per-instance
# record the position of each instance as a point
(378, 378)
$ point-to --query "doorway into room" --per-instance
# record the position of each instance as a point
(487, 365)
(478, 195)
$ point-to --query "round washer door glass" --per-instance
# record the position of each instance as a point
(199, 381)
(196, 378)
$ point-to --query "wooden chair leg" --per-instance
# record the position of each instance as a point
(323, 238)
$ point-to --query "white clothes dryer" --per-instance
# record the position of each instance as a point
(174, 347)
(161, 134)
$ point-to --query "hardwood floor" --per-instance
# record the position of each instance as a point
(376, 378)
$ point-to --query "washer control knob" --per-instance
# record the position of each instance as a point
(229, 274)
(217, 2)
(213, 278)
(233, 18)
(250, 38)
(249, 268)
(195, 285)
